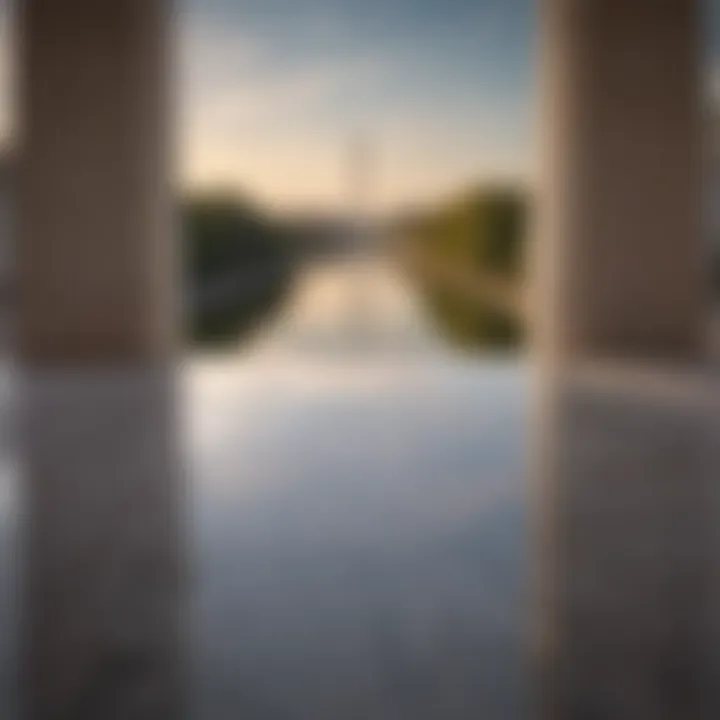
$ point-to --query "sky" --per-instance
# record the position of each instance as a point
(273, 92)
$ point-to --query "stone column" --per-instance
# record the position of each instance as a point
(622, 179)
(100, 536)
(628, 422)
(95, 265)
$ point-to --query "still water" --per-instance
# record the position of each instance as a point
(357, 517)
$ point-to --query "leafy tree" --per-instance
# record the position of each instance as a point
(237, 261)
(481, 234)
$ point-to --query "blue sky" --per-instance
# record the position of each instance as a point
(272, 90)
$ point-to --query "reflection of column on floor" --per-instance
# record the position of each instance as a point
(101, 548)
(626, 626)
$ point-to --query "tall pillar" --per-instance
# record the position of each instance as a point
(95, 266)
(628, 425)
(101, 550)
(622, 180)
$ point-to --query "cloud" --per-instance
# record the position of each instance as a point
(276, 120)
(229, 79)
(248, 119)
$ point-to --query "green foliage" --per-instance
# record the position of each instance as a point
(237, 261)
(483, 230)
(467, 325)
(223, 231)
(482, 235)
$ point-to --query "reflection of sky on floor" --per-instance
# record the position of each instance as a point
(357, 521)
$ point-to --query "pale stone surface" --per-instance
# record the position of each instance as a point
(101, 554)
(96, 270)
(626, 497)
(622, 264)
(100, 545)
(632, 499)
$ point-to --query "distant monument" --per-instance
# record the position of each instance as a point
(361, 172)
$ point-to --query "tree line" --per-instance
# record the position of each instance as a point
(238, 264)
(468, 257)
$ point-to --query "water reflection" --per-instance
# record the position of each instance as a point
(359, 517)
